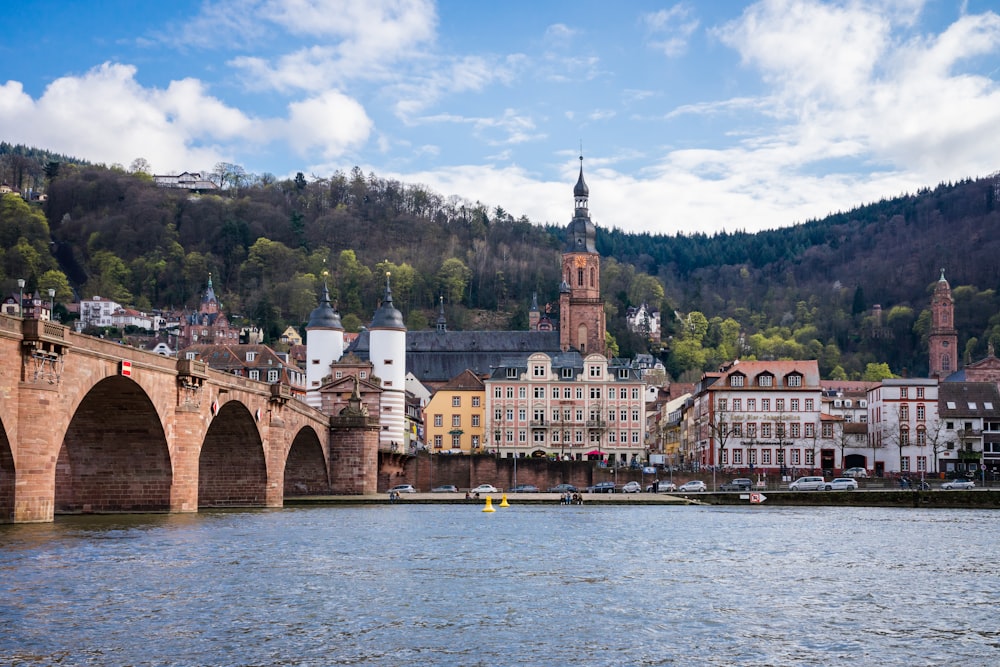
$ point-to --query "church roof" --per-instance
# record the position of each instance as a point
(439, 356)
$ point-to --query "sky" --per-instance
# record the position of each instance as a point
(692, 117)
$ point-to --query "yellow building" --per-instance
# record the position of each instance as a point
(454, 416)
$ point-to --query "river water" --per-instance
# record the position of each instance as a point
(526, 585)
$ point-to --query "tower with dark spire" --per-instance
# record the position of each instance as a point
(324, 345)
(581, 309)
(942, 342)
(387, 336)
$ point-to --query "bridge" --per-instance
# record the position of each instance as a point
(89, 425)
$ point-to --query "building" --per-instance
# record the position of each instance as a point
(760, 415)
(902, 419)
(454, 418)
(207, 326)
(968, 435)
(643, 320)
(844, 423)
(567, 406)
(193, 181)
(98, 312)
(255, 362)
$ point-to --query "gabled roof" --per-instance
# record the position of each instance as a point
(464, 381)
(968, 399)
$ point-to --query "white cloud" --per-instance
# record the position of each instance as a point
(670, 29)
(331, 122)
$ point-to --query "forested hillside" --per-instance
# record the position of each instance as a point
(799, 292)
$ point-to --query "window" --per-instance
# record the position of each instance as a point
(510, 414)
(555, 414)
(920, 392)
(921, 436)
(438, 442)
(810, 457)
(765, 457)
(921, 413)
(809, 430)
(904, 437)
(538, 371)
(635, 415)
(522, 392)
(903, 392)
(810, 405)
(538, 415)
(595, 371)
(595, 392)
(624, 415)
(904, 412)
(737, 404)
(723, 404)
(522, 414)
(794, 380)
(456, 442)
(795, 457)
(579, 393)
(904, 464)
(510, 392)
(272, 375)
(579, 414)
(765, 430)
(538, 392)
(475, 442)
(456, 421)
(555, 392)
(498, 415)
(476, 401)
(538, 437)
(765, 380)
(779, 404)
(753, 457)
(567, 392)
(456, 401)
(752, 430)
(387, 362)
(635, 393)
(497, 392)
(751, 404)
(765, 404)
(795, 404)
(622, 373)
(737, 457)
(439, 420)
(511, 372)
(611, 392)
(796, 430)
(737, 430)
(611, 415)
(254, 374)
(735, 380)
(921, 463)
(566, 374)
(475, 421)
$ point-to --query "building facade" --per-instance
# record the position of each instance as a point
(455, 417)
(902, 421)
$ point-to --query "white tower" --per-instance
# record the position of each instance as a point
(324, 345)
(387, 353)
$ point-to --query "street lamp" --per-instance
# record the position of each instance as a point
(52, 303)
(20, 297)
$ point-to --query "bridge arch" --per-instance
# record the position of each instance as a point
(114, 455)
(305, 466)
(232, 467)
(6, 477)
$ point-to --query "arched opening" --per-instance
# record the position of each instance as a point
(855, 461)
(114, 456)
(305, 467)
(6, 478)
(231, 469)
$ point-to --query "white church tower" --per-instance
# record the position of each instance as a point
(324, 345)
(387, 353)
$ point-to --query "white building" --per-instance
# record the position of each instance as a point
(98, 312)
(902, 419)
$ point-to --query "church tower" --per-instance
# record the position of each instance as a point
(943, 339)
(581, 310)
(387, 341)
(324, 345)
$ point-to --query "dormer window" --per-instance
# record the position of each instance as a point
(765, 380)
(251, 356)
(736, 380)
(794, 380)
(511, 372)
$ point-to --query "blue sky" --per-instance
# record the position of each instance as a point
(693, 116)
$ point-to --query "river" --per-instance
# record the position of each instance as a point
(526, 585)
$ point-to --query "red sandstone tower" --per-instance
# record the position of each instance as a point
(943, 339)
(581, 311)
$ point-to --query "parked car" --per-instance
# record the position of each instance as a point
(695, 485)
(484, 488)
(807, 484)
(524, 488)
(958, 484)
(445, 488)
(562, 488)
(842, 484)
(602, 487)
(403, 488)
(738, 484)
(632, 487)
(662, 487)
(856, 472)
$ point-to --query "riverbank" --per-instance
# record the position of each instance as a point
(974, 499)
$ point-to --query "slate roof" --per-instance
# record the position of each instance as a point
(439, 356)
(970, 400)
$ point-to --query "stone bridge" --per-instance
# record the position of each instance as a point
(89, 425)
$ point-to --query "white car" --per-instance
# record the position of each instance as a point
(808, 484)
(403, 488)
(841, 484)
(695, 485)
(958, 484)
(856, 472)
(632, 487)
(484, 488)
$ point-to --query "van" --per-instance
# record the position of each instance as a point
(807, 484)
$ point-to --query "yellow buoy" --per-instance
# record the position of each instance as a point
(489, 505)
(503, 501)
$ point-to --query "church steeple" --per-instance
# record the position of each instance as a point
(581, 311)
(943, 339)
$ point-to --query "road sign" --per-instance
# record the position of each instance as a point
(757, 498)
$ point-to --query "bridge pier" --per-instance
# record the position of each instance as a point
(189, 428)
(40, 426)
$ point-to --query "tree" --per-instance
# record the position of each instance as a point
(453, 278)
(877, 372)
(140, 166)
